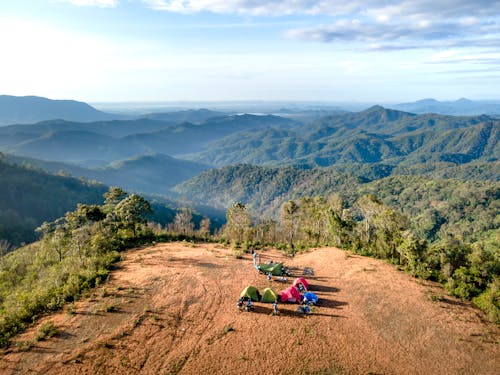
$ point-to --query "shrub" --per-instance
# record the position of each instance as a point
(489, 301)
(47, 330)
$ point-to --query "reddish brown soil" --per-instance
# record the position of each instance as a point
(171, 308)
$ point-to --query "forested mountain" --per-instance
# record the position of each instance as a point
(263, 189)
(151, 174)
(354, 148)
(29, 109)
(187, 138)
(436, 207)
(28, 197)
(460, 107)
(372, 136)
(99, 143)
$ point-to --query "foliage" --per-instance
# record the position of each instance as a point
(238, 225)
(376, 135)
(74, 254)
(46, 331)
(489, 300)
(29, 196)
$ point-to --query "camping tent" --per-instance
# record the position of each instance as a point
(310, 298)
(290, 294)
(276, 269)
(302, 281)
(250, 292)
(269, 296)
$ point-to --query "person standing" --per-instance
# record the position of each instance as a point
(275, 308)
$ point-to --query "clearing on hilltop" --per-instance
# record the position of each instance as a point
(171, 308)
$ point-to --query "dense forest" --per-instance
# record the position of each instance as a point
(376, 135)
(30, 196)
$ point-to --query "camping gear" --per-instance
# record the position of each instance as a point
(308, 271)
(250, 292)
(304, 309)
(302, 281)
(239, 304)
(249, 306)
(290, 294)
(269, 296)
(276, 269)
(310, 298)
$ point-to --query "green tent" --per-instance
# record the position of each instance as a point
(250, 292)
(276, 269)
(269, 296)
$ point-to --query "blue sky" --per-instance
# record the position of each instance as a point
(193, 50)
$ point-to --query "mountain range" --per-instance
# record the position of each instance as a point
(371, 136)
(100, 143)
(460, 107)
(156, 152)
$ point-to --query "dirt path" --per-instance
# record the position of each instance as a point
(171, 309)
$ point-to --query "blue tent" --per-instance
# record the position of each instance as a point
(310, 298)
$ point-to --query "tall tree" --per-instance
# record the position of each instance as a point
(183, 222)
(290, 221)
(132, 211)
(238, 225)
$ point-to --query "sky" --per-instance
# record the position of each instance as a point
(214, 50)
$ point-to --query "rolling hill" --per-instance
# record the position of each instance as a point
(150, 174)
(100, 143)
(29, 195)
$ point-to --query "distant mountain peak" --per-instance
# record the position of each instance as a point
(375, 108)
(32, 109)
(427, 101)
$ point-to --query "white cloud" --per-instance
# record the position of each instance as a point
(376, 8)
(459, 57)
(94, 3)
(385, 24)
(255, 7)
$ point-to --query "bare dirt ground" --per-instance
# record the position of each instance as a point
(171, 308)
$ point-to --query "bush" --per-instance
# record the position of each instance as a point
(489, 301)
(47, 330)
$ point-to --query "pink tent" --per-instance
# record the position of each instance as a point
(291, 294)
(302, 281)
